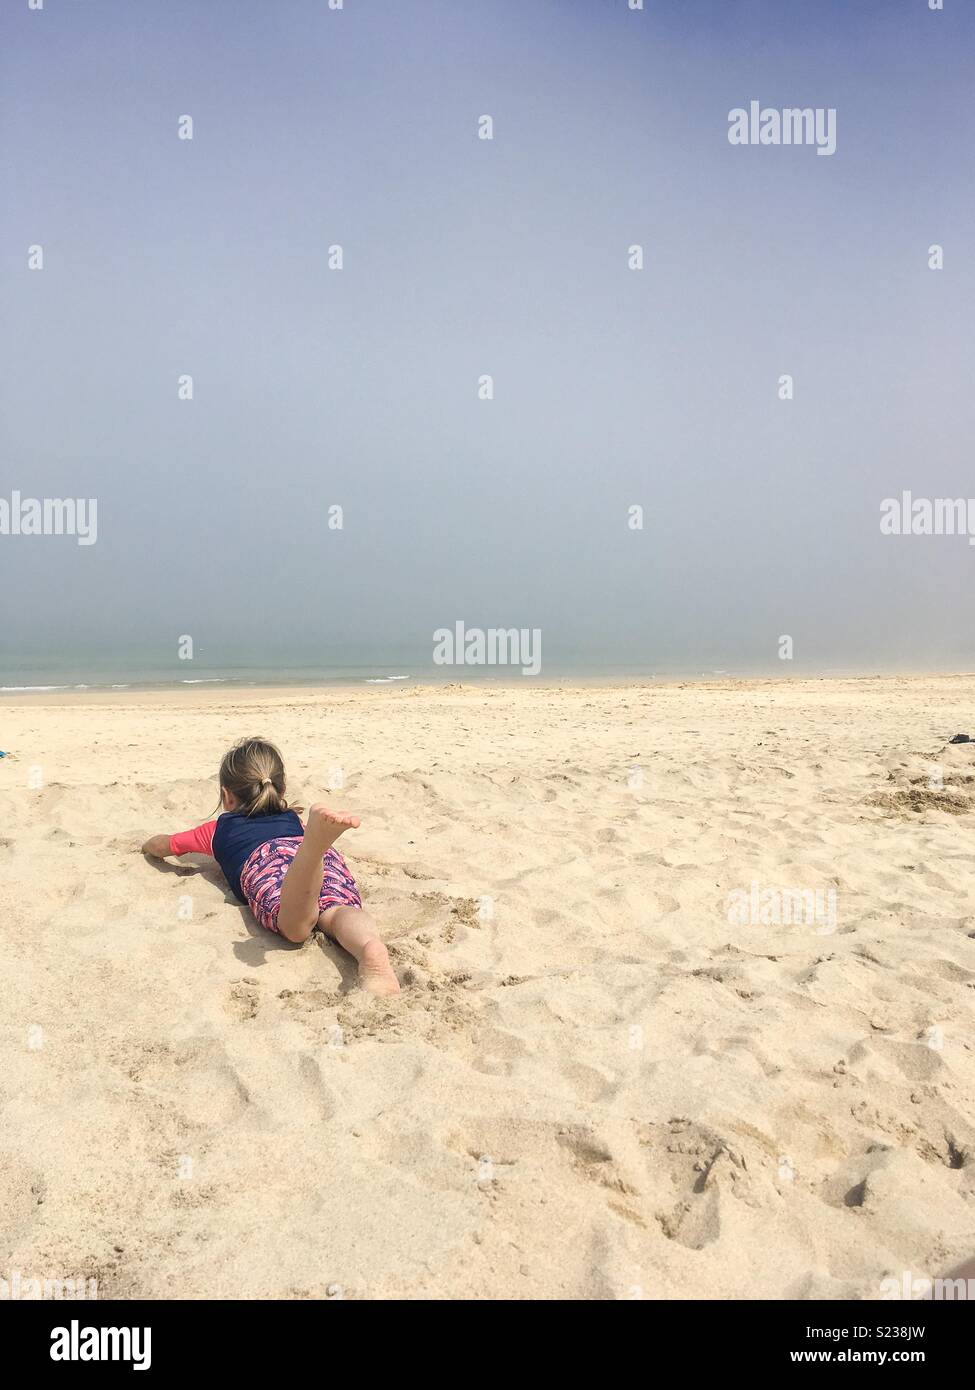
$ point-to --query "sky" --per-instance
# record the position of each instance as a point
(464, 257)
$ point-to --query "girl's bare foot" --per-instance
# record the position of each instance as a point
(375, 972)
(325, 826)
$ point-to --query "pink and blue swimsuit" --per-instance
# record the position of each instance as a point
(254, 853)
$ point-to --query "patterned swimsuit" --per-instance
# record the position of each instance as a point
(262, 872)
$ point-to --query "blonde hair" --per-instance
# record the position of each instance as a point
(253, 771)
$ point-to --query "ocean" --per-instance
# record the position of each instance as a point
(133, 667)
(130, 667)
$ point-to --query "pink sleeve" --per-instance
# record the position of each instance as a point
(198, 841)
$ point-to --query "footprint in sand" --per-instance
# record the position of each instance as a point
(301, 1002)
(210, 1089)
(496, 1052)
(318, 1093)
(245, 1000)
(594, 1162)
(698, 1161)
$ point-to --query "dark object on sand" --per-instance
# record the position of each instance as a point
(961, 738)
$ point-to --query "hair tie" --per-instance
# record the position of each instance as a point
(267, 782)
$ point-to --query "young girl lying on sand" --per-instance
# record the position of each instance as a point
(289, 875)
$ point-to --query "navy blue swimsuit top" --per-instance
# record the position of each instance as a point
(237, 836)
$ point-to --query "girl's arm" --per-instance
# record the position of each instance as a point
(198, 841)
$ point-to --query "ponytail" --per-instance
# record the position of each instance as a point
(253, 771)
(268, 801)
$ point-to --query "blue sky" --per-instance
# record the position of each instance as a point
(358, 387)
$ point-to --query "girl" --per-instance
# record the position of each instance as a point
(289, 875)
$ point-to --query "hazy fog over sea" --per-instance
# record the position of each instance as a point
(209, 258)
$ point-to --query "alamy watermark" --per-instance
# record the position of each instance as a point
(792, 125)
(50, 516)
(494, 646)
(78, 1343)
(29, 1288)
(911, 1287)
(783, 907)
(908, 515)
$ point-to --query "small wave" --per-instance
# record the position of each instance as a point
(205, 680)
(35, 687)
(383, 680)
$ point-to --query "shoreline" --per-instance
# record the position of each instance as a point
(167, 693)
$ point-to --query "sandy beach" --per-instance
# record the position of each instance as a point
(687, 1005)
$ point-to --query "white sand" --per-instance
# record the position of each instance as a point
(602, 1090)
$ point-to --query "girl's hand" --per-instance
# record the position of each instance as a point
(157, 846)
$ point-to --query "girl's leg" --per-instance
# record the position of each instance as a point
(302, 886)
(354, 929)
